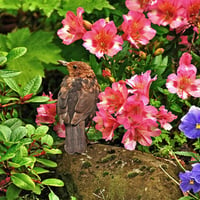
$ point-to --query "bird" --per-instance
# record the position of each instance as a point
(77, 104)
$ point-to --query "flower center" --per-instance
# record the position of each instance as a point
(197, 125)
(191, 182)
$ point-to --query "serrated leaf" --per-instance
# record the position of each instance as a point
(8, 73)
(53, 151)
(88, 5)
(16, 53)
(5, 133)
(38, 99)
(32, 86)
(46, 162)
(12, 192)
(53, 182)
(13, 85)
(40, 49)
(23, 181)
(3, 60)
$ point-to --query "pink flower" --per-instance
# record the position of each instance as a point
(140, 85)
(184, 83)
(73, 28)
(137, 29)
(105, 123)
(60, 129)
(112, 99)
(139, 5)
(102, 39)
(164, 117)
(168, 12)
(141, 133)
(46, 112)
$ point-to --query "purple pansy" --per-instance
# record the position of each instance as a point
(190, 123)
(188, 182)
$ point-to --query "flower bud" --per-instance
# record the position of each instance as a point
(142, 55)
(158, 51)
(87, 25)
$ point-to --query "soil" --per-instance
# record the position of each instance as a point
(113, 173)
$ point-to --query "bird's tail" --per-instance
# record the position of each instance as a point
(75, 141)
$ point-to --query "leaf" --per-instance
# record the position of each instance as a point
(5, 133)
(2, 171)
(16, 53)
(40, 132)
(3, 60)
(13, 123)
(88, 5)
(6, 99)
(13, 85)
(47, 139)
(23, 181)
(175, 107)
(18, 134)
(40, 170)
(40, 49)
(53, 196)
(37, 190)
(32, 86)
(188, 154)
(46, 162)
(8, 73)
(30, 129)
(13, 192)
(38, 99)
(53, 182)
(53, 151)
(7, 156)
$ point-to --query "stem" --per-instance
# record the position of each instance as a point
(181, 166)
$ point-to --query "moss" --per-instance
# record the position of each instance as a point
(132, 174)
(142, 168)
(151, 169)
(86, 165)
(105, 173)
(137, 160)
(108, 158)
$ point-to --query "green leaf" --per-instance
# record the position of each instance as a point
(13, 164)
(40, 50)
(53, 151)
(6, 99)
(46, 162)
(27, 161)
(32, 86)
(13, 123)
(188, 154)
(40, 170)
(5, 133)
(38, 99)
(13, 192)
(30, 130)
(8, 73)
(23, 181)
(13, 85)
(176, 108)
(2, 171)
(16, 53)
(40, 132)
(7, 156)
(37, 189)
(47, 139)
(3, 60)
(53, 196)
(88, 5)
(18, 134)
(53, 182)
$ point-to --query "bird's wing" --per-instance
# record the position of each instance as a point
(77, 100)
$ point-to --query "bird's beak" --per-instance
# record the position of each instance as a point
(62, 62)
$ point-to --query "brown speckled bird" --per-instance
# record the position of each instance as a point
(76, 104)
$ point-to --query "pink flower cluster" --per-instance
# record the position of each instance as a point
(184, 83)
(47, 115)
(177, 14)
(127, 104)
(102, 37)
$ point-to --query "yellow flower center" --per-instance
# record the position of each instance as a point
(191, 182)
(197, 125)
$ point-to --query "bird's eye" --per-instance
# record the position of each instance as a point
(75, 67)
